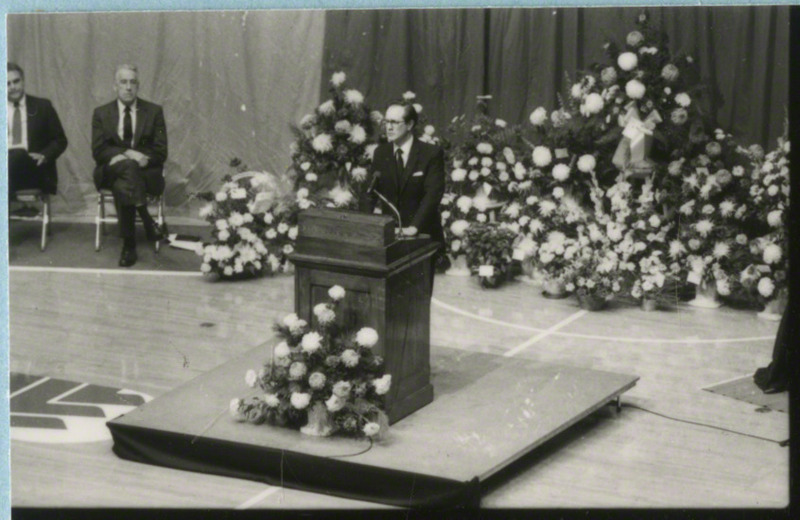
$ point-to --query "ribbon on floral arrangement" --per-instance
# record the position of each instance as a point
(637, 136)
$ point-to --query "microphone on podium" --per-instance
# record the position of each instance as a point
(371, 189)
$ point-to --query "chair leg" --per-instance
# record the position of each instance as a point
(160, 220)
(98, 221)
(45, 221)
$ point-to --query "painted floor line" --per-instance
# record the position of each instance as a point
(258, 498)
(618, 339)
(563, 323)
(26, 388)
(79, 270)
(718, 383)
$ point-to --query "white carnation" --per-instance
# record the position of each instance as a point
(627, 61)
(542, 156)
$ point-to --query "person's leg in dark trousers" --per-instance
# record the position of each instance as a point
(23, 173)
(130, 185)
(775, 377)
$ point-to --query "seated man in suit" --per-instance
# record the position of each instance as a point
(129, 145)
(410, 175)
(35, 139)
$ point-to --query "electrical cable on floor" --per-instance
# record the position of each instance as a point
(353, 454)
(779, 443)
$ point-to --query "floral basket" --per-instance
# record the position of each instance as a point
(324, 381)
(489, 251)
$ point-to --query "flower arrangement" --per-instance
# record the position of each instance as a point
(766, 274)
(489, 251)
(241, 245)
(594, 271)
(333, 148)
(323, 380)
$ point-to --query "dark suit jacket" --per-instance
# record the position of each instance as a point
(45, 136)
(417, 190)
(149, 136)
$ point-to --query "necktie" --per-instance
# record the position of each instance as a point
(16, 125)
(400, 166)
(127, 127)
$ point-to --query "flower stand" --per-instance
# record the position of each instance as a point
(706, 296)
(319, 421)
(591, 302)
(458, 266)
(554, 289)
(773, 310)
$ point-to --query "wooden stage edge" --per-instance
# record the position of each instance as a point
(488, 411)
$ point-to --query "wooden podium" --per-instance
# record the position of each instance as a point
(388, 288)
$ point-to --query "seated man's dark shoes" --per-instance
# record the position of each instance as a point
(128, 257)
(25, 211)
(155, 232)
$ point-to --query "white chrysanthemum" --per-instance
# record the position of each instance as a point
(558, 192)
(342, 126)
(338, 78)
(353, 97)
(429, 130)
(538, 117)
(723, 287)
(556, 238)
(775, 218)
(683, 99)
(484, 148)
(654, 221)
(359, 173)
(409, 96)
(271, 400)
(592, 104)
(726, 207)
(455, 246)
(327, 108)
(721, 249)
(235, 408)
(336, 293)
(357, 134)
(350, 358)
(547, 207)
(300, 400)
(635, 89)
(561, 172)
(322, 143)
(486, 162)
(627, 61)
(382, 384)
(536, 226)
(542, 156)
(459, 227)
(772, 254)
(369, 151)
(307, 121)
(576, 91)
(371, 429)
(311, 342)
(206, 210)
(340, 195)
(316, 380)
(367, 337)
(311, 177)
(324, 313)
(221, 196)
(418, 108)
(297, 370)
(704, 226)
(458, 175)
(335, 403)
(500, 123)
(587, 163)
(766, 287)
(464, 203)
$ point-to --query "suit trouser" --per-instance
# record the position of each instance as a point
(23, 173)
(130, 185)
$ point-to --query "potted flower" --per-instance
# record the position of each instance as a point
(490, 246)
(322, 380)
(594, 268)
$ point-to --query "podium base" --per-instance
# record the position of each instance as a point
(411, 403)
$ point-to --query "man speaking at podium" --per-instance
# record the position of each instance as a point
(410, 175)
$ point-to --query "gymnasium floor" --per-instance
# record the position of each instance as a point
(150, 330)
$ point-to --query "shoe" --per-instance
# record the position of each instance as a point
(128, 257)
(156, 233)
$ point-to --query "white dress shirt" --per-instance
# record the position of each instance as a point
(134, 109)
(24, 120)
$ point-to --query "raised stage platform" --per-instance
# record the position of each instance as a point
(488, 411)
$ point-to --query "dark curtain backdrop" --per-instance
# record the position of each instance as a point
(230, 83)
(522, 56)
